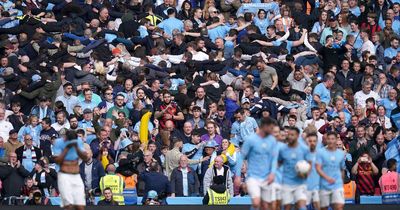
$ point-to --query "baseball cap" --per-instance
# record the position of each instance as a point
(332, 18)
(8, 71)
(152, 194)
(245, 100)
(13, 40)
(87, 111)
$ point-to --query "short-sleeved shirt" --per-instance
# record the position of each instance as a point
(173, 110)
(332, 163)
(289, 156)
(266, 77)
(323, 93)
(72, 154)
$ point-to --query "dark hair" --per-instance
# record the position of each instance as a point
(46, 120)
(71, 135)
(292, 128)
(391, 163)
(330, 133)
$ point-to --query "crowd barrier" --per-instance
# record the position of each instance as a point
(233, 201)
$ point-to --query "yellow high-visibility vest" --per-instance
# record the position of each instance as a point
(116, 184)
(218, 198)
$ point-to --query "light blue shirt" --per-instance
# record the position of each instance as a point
(245, 128)
(355, 11)
(168, 25)
(72, 154)
(288, 157)
(390, 52)
(279, 170)
(218, 32)
(69, 102)
(323, 93)
(358, 43)
(27, 161)
(332, 163)
(313, 178)
(189, 147)
(255, 6)
(389, 105)
(262, 24)
(260, 152)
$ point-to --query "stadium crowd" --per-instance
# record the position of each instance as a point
(208, 71)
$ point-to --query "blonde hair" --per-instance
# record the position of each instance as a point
(99, 68)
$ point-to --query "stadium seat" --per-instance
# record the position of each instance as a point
(370, 199)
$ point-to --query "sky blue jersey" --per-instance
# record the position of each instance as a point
(332, 163)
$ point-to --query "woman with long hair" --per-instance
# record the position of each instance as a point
(320, 25)
(343, 22)
(186, 11)
(262, 21)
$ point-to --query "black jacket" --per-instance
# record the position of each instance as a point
(13, 180)
(177, 182)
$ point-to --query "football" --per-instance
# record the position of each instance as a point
(302, 167)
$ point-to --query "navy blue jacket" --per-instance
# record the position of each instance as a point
(97, 172)
(155, 181)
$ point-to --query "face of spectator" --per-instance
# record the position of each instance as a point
(380, 139)
(200, 44)
(367, 88)
(187, 128)
(73, 123)
(298, 75)
(60, 119)
(4, 62)
(169, 125)
(148, 157)
(392, 94)
(196, 139)
(360, 132)
(28, 141)
(88, 95)
(316, 114)
(16, 108)
(200, 93)
(68, 90)
(218, 162)
(339, 105)
(221, 113)
(119, 101)
(396, 8)
(103, 136)
(198, 14)
(140, 94)
(152, 148)
(219, 43)
(183, 162)
(210, 129)
(292, 122)
(225, 144)
(389, 135)
(128, 85)
(108, 95)
(107, 195)
(167, 98)
(12, 158)
(103, 14)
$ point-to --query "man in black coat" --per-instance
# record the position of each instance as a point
(12, 175)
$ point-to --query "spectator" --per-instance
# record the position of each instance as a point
(184, 180)
(111, 180)
(28, 154)
(108, 198)
(5, 126)
(364, 171)
(91, 172)
(156, 181)
(12, 176)
(217, 194)
(218, 169)
(13, 143)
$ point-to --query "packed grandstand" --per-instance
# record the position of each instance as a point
(202, 98)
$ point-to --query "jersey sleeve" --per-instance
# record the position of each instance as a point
(57, 149)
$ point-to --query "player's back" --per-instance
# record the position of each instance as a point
(261, 155)
(332, 162)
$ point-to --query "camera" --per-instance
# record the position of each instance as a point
(364, 160)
